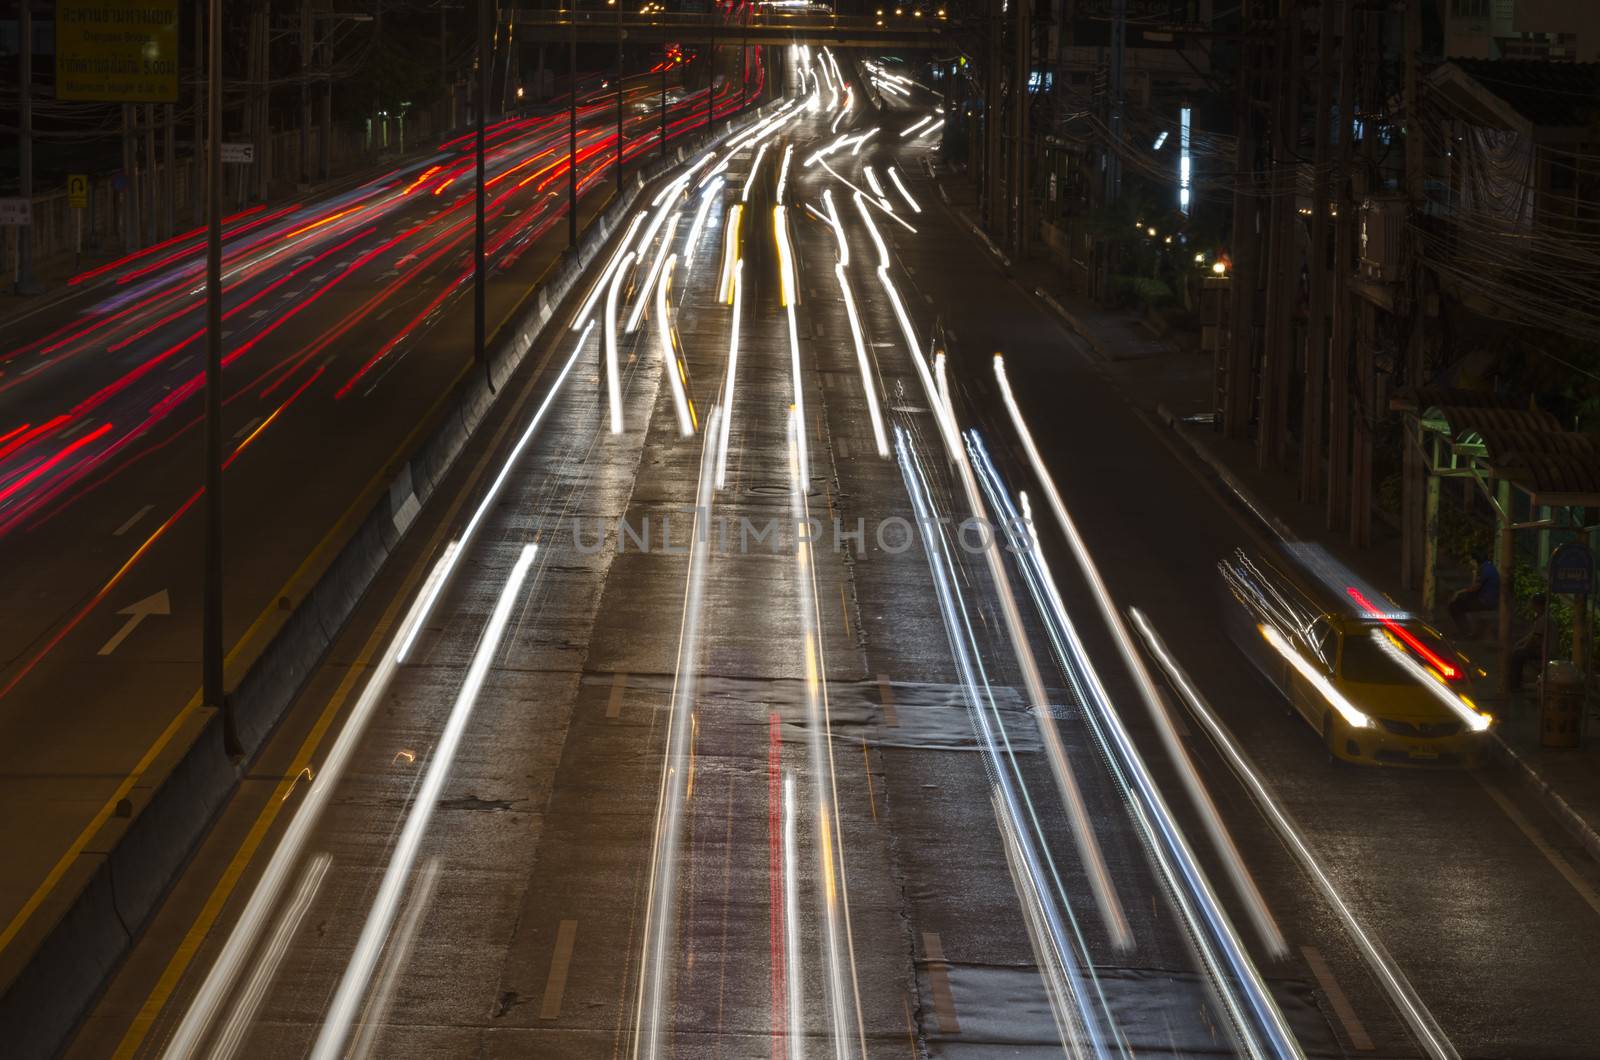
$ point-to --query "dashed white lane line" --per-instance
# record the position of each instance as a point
(1353, 1027)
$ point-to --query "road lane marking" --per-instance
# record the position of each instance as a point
(247, 428)
(872, 796)
(844, 609)
(157, 603)
(944, 1002)
(1359, 1038)
(184, 955)
(1551, 854)
(886, 701)
(619, 684)
(132, 519)
(560, 963)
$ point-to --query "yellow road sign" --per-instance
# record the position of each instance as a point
(117, 51)
(78, 190)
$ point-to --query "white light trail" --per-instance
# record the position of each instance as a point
(669, 355)
(1429, 1034)
(643, 297)
(659, 954)
(732, 375)
(241, 940)
(1314, 677)
(1105, 894)
(755, 167)
(902, 222)
(868, 389)
(930, 130)
(1429, 678)
(783, 173)
(835, 893)
(780, 231)
(396, 961)
(243, 1016)
(1008, 779)
(791, 922)
(613, 370)
(600, 285)
(877, 188)
(730, 251)
(1243, 969)
(838, 228)
(861, 141)
(909, 129)
(706, 199)
(894, 175)
(353, 984)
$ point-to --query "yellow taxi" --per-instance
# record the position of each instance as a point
(1380, 686)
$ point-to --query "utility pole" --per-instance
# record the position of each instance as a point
(1316, 361)
(1119, 40)
(480, 279)
(1413, 477)
(169, 166)
(1282, 274)
(572, 142)
(1238, 379)
(197, 150)
(619, 96)
(711, 75)
(153, 185)
(211, 648)
(1365, 412)
(1017, 184)
(325, 130)
(25, 284)
(1343, 248)
(992, 204)
(305, 88)
(664, 108)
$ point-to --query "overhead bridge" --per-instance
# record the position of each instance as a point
(909, 31)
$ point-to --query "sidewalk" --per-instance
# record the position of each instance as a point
(1175, 387)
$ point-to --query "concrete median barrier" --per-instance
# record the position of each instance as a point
(53, 972)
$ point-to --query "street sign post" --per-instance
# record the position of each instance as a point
(238, 154)
(117, 51)
(78, 199)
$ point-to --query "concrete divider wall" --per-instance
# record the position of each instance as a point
(138, 856)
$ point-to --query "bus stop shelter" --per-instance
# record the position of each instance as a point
(1534, 475)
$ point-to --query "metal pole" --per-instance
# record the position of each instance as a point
(711, 75)
(169, 183)
(197, 149)
(664, 111)
(25, 283)
(211, 648)
(572, 142)
(305, 91)
(1119, 36)
(479, 279)
(619, 97)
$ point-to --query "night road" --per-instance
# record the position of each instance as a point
(777, 674)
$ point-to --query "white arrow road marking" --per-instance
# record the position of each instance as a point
(154, 604)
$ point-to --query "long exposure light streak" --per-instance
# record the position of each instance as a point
(647, 289)
(603, 282)
(1105, 894)
(1424, 1027)
(385, 905)
(894, 175)
(659, 955)
(732, 376)
(613, 368)
(669, 355)
(780, 231)
(1267, 1016)
(707, 197)
(1007, 776)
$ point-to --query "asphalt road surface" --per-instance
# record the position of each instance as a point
(347, 319)
(635, 751)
